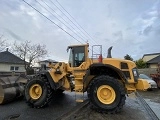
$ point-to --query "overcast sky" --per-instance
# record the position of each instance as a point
(130, 26)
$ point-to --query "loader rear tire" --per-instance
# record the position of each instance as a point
(38, 92)
(106, 94)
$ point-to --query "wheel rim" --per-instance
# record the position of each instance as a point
(106, 94)
(35, 91)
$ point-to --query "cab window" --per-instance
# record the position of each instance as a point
(77, 56)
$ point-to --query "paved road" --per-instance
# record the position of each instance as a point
(132, 110)
(55, 109)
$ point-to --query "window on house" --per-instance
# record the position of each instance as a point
(14, 68)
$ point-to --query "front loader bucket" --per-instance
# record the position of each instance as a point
(11, 88)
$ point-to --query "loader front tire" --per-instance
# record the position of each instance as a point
(38, 92)
(106, 94)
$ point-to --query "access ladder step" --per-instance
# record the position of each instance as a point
(79, 100)
(78, 78)
(78, 85)
(79, 96)
(79, 93)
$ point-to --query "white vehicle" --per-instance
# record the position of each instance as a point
(149, 80)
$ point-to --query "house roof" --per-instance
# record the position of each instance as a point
(7, 57)
(150, 54)
(154, 60)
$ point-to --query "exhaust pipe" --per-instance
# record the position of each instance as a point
(11, 88)
(109, 52)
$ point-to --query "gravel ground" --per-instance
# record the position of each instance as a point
(153, 100)
(132, 111)
(153, 95)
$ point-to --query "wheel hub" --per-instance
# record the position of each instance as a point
(106, 94)
(35, 91)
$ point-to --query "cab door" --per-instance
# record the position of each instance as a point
(77, 56)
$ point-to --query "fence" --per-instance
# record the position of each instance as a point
(147, 71)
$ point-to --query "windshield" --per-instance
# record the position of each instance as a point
(77, 56)
(143, 76)
(71, 58)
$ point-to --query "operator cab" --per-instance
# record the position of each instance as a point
(78, 55)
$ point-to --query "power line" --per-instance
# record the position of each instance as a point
(68, 17)
(51, 21)
(74, 20)
(56, 13)
(58, 18)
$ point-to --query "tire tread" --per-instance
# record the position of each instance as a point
(48, 97)
(122, 94)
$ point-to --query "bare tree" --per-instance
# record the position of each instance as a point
(29, 52)
(3, 43)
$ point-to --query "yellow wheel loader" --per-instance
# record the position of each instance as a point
(106, 80)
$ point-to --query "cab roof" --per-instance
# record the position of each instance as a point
(78, 45)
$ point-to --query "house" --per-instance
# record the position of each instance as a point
(43, 65)
(46, 62)
(152, 60)
(10, 62)
(153, 63)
